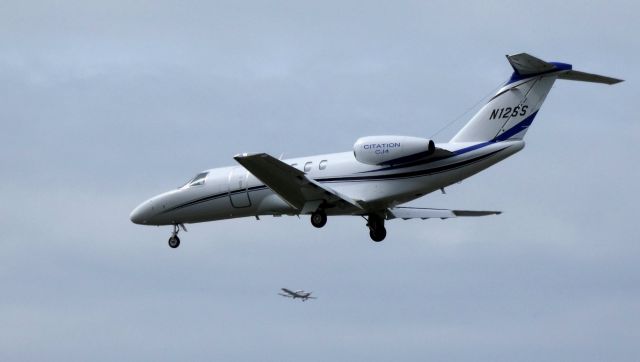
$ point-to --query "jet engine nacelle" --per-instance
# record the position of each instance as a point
(380, 150)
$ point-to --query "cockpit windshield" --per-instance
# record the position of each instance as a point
(196, 181)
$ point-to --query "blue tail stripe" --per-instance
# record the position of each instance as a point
(523, 125)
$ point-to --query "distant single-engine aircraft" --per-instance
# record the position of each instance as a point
(300, 294)
(378, 175)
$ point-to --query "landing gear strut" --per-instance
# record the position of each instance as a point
(319, 218)
(174, 240)
(377, 231)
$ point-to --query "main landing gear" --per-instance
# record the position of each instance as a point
(377, 231)
(319, 218)
(174, 240)
(375, 223)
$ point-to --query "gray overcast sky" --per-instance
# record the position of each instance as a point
(104, 104)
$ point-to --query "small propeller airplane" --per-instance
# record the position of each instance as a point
(378, 175)
(298, 294)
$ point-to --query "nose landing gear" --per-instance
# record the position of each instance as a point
(174, 240)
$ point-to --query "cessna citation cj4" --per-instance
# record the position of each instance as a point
(380, 173)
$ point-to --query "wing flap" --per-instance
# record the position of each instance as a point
(423, 213)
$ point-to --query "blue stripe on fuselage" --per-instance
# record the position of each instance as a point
(521, 126)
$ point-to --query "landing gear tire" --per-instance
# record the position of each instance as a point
(319, 219)
(377, 231)
(174, 241)
(378, 235)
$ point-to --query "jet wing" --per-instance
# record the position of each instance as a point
(406, 213)
(292, 185)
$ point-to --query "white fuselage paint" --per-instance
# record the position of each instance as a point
(231, 192)
(366, 182)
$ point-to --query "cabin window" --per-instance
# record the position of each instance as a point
(322, 165)
(307, 166)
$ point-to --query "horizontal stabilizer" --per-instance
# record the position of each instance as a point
(527, 65)
(429, 213)
(588, 77)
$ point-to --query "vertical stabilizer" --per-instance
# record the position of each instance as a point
(510, 112)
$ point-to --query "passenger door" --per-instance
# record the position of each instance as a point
(238, 193)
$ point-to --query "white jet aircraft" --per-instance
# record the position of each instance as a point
(301, 294)
(380, 173)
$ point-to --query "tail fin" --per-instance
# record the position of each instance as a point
(510, 112)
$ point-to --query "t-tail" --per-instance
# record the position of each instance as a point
(510, 112)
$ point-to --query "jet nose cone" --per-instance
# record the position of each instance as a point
(140, 214)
